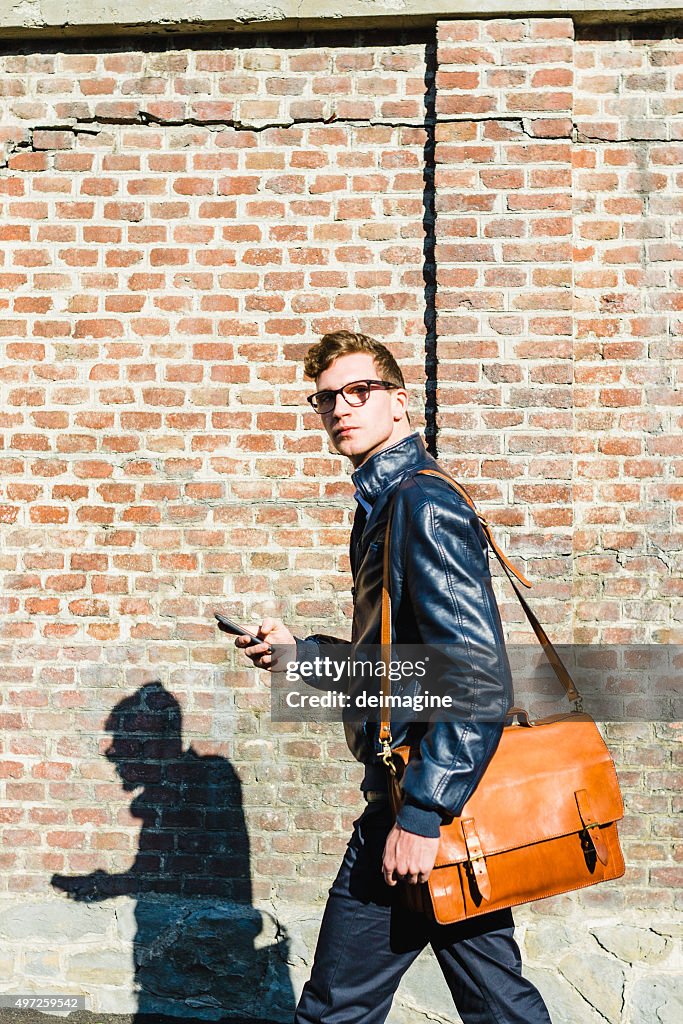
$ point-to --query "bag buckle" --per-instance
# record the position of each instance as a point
(476, 858)
(591, 824)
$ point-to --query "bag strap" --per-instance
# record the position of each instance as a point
(558, 666)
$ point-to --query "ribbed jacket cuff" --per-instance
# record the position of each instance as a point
(306, 650)
(419, 820)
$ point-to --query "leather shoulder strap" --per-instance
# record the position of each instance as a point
(511, 572)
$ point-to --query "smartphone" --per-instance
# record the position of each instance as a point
(234, 627)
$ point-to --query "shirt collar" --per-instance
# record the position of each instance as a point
(362, 502)
(388, 466)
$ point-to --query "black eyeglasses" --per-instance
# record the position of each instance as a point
(356, 393)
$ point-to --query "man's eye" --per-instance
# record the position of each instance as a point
(324, 397)
(357, 389)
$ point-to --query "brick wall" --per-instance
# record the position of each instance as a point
(558, 252)
(504, 256)
(162, 282)
(627, 206)
(178, 224)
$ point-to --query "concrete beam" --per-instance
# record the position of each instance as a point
(61, 18)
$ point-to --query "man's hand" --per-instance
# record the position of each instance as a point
(273, 632)
(408, 857)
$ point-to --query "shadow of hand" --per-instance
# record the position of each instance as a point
(83, 888)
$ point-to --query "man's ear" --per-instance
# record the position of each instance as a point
(400, 401)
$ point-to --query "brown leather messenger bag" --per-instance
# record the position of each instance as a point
(542, 820)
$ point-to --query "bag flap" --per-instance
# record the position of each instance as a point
(528, 791)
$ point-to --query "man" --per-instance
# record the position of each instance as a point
(441, 594)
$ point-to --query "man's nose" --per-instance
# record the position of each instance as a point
(340, 404)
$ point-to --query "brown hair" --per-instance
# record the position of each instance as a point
(345, 343)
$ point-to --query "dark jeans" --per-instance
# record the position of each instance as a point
(368, 941)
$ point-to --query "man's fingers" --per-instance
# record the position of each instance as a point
(394, 875)
(397, 870)
(269, 626)
(272, 633)
(388, 875)
(259, 654)
(409, 877)
(389, 860)
(408, 874)
(253, 649)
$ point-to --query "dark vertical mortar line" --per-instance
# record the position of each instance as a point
(429, 250)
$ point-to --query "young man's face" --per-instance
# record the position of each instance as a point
(359, 431)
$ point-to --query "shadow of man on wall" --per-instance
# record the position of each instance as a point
(198, 945)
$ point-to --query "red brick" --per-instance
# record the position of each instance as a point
(466, 55)
(43, 139)
(48, 514)
(124, 211)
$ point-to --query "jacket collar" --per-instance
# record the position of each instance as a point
(387, 468)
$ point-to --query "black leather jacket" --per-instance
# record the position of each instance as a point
(441, 594)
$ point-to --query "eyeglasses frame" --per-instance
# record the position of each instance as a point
(383, 385)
